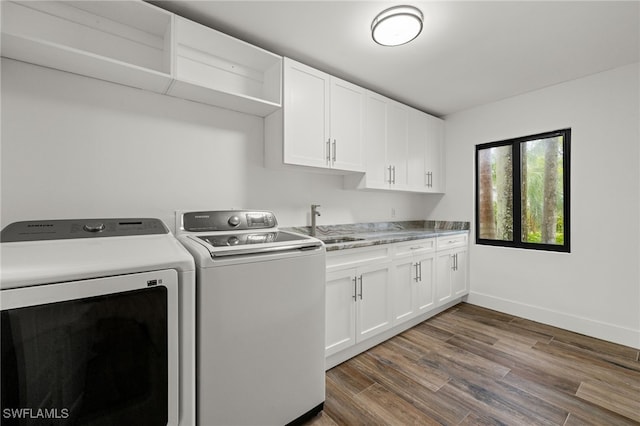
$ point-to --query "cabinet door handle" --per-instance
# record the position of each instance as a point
(334, 150)
(394, 175)
(430, 179)
(329, 151)
(355, 288)
(389, 168)
(360, 278)
(420, 268)
(453, 262)
(416, 266)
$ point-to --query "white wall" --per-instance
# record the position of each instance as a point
(75, 147)
(594, 290)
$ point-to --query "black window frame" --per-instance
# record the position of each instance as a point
(515, 144)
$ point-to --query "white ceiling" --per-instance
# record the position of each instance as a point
(469, 53)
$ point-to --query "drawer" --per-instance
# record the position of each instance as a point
(450, 241)
(415, 246)
(349, 258)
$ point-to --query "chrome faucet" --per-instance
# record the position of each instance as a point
(314, 213)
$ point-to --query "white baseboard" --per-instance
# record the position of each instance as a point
(598, 329)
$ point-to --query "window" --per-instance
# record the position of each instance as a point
(522, 192)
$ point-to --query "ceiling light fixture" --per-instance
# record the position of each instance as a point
(396, 25)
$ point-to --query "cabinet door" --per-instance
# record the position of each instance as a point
(397, 123)
(340, 310)
(424, 299)
(417, 178)
(306, 108)
(404, 283)
(444, 292)
(374, 310)
(434, 161)
(459, 280)
(375, 135)
(347, 112)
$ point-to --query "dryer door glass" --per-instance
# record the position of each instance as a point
(95, 360)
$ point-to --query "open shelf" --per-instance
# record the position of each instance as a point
(214, 68)
(140, 45)
(123, 42)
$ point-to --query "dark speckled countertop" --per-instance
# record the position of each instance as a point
(355, 235)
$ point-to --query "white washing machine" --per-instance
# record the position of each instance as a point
(97, 324)
(260, 295)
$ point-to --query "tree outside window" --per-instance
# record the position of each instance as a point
(522, 192)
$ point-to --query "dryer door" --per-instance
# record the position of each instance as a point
(100, 351)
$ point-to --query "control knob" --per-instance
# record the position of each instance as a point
(93, 227)
(234, 221)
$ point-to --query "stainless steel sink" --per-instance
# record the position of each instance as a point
(336, 240)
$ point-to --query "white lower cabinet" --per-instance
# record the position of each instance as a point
(451, 271)
(375, 292)
(413, 280)
(357, 305)
(340, 311)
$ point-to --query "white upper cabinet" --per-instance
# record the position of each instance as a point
(216, 69)
(375, 136)
(320, 124)
(397, 134)
(122, 42)
(434, 162)
(425, 149)
(140, 45)
(418, 129)
(306, 107)
(346, 121)
(385, 135)
(403, 148)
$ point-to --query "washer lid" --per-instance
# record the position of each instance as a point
(240, 244)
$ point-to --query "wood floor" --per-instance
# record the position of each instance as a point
(473, 366)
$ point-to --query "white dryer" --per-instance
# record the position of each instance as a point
(97, 323)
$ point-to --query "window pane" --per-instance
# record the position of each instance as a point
(542, 218)
(495, 198)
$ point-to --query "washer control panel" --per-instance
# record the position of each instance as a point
(38, 230)
(226, 220)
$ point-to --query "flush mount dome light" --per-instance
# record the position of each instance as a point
(396, 25)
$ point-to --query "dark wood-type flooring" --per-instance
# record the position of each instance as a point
(473, 366)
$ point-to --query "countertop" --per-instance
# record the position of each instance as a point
(356, 235)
